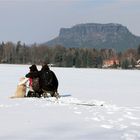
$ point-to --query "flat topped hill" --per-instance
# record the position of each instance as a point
(93, 35)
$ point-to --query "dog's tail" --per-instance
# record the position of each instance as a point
(13, 97)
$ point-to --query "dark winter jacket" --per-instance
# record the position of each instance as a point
(34, 75)
(33, 72)
(48, 79)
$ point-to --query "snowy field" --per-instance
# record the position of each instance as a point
(68, 118)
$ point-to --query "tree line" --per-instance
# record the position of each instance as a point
(60, 56)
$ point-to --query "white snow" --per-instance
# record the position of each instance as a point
(68, 118)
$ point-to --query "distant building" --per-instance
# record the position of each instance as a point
(110, 63)
(137, 64)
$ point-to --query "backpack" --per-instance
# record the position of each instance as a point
(35, 84)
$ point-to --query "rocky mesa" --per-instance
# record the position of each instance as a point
(94, 35)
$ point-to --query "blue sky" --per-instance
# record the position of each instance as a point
(38, 21)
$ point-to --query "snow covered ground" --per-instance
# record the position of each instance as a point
(67, 118)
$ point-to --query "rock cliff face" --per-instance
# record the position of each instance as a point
(96, 36)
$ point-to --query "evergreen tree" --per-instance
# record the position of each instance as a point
(125, 64)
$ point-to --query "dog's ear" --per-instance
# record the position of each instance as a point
(21, 79)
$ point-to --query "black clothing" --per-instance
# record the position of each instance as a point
(33, 72)
(33, 68)
(48, 79)
(43, 82)
(34, 75)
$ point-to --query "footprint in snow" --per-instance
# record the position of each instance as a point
(135, 124)
(131, 117)
(131, 135)
(77, 112)
(107, 126)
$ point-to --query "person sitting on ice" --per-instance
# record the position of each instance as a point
(48, 81)
(34, 84)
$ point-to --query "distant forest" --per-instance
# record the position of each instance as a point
(60, 56)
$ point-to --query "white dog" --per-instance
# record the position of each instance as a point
(21, 88)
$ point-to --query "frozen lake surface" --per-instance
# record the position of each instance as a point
(35, 119)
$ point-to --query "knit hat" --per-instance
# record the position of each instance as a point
(33, 68)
